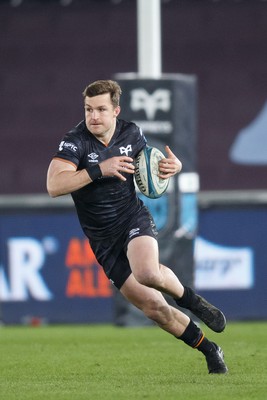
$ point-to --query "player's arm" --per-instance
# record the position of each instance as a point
(63, 178)
(170, 165)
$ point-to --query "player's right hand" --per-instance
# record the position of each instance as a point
(115, 166)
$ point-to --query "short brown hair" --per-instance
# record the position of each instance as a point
(104, 86)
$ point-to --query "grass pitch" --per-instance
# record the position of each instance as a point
(106, 362)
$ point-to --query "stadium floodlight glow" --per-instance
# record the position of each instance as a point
(65, 3)
(15, 3)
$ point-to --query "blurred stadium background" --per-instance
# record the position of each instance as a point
(50, 50)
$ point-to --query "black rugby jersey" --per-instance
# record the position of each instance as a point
(104, 206)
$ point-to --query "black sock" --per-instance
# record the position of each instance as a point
(205, 346)
(194, 337)
(192, 334)
(187, 298)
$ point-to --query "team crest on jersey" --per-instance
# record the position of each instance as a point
(126, 150)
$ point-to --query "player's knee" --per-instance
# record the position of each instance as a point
(149, 278)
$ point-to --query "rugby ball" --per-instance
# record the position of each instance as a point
(146, 173)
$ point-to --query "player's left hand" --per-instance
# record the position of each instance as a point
(170, 165)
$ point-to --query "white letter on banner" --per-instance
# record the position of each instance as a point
(26, 258)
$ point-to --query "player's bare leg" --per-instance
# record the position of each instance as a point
(173, 321)
(143, 256)
(155, 307)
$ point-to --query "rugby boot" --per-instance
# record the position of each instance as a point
(215, 361)
(209, 314)
(202, 309)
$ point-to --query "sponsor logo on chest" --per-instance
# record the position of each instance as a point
(92, 157)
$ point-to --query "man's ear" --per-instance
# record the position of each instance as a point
(117, 110)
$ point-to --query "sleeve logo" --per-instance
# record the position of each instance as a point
(67, 145)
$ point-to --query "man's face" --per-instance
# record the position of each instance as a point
(100, 114)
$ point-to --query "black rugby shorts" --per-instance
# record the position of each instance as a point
(111, 252)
